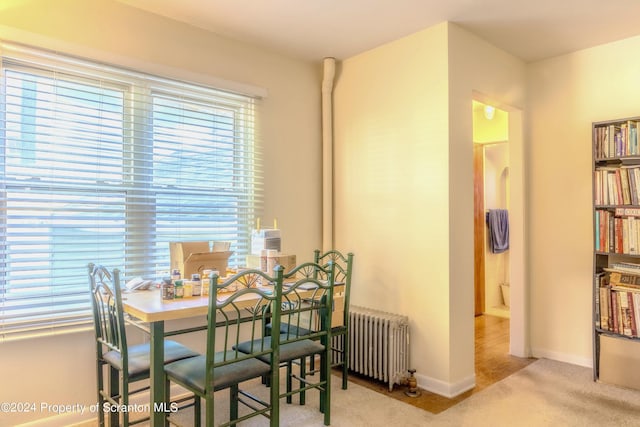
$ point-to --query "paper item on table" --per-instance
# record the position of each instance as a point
(305, 285)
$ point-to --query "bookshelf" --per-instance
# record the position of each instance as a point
(616, 230)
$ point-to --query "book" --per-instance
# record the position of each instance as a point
(597, 231)
(625, 313)
(618, 234)
(636, 173)
(632, 316)
(628, 212)
(624, 279)
(628, 267)
(605, 306)
(633, 236)
(597, 283)
(618, 187)
(632, 185)
(625, 235)
(636, 309)
(614, 313)
(610, 233)
(624, 186)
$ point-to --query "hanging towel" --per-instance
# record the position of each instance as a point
(498, 223)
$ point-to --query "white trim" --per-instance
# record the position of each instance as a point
(448, 390)
(11, 35)
(541, 353)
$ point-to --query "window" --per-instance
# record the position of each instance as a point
(108, 166)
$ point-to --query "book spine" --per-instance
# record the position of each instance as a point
(632, 315)
(625, 315)
(597, 231)
(605, 303)
(614, 312)
(624, 185)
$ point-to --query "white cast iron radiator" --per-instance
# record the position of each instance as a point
(379, 344)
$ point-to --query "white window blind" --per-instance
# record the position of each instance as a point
(108, 166)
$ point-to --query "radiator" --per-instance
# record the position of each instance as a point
(379, 345)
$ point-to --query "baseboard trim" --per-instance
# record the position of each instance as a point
(446, 389)
(540, 353)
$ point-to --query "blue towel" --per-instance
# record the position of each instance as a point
(498, 223)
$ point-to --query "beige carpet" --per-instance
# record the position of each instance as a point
(546, 393)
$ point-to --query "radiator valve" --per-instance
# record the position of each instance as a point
(413, 385)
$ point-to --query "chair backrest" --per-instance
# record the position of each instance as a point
(343, 270)
(246, 299)
(307, 302)
(108, 317)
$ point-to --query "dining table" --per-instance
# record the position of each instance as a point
(147, 306)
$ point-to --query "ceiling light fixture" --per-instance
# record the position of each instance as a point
(489, 112)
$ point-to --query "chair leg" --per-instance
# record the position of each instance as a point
(100, 381)
(233, 403)
(124, 399)
(325, 399)
(303, 375)
(323, 378)
(274, 380)
(114, 391)
(345, 360)
(289, 381)
(167, 394)
(209, 410)
(197, 411)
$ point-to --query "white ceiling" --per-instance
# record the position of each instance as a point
(314, 29)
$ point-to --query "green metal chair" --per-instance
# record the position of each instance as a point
(125, 364)
(248, 306)
(343, 270)
(305, 325)
(340, 345)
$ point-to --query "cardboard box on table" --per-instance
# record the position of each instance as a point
(194, 257)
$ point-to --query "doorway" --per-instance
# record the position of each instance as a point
(491, 197)
(500, 282)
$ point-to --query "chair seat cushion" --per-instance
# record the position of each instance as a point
(288, 350)
(140, 356)
(288, 328)
(192, 372)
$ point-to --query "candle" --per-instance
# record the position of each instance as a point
(275, 224)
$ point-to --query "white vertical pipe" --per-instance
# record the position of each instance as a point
(327, 153)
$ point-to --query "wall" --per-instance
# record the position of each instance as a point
(480, 71)
(60, 369)
(391, 187)
(404, 186)
(571, 92)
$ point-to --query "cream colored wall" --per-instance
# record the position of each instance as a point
(476, 66)
(60, 370)
(404, 186)
(570, 92)
(391, 180)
